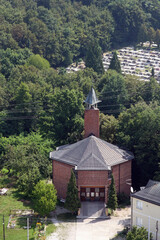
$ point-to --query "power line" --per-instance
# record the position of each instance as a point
(18, 118)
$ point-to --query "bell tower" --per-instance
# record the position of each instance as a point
(91, 115)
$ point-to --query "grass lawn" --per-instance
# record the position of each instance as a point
(10, 202)
(7, 203)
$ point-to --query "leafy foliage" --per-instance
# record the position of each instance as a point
(108, 126)
(138, 234)
(62, 120)
(38, 36)
(45, 198)
(28, 159)
(138, 130)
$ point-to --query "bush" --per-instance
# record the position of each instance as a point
(138, 234)
(4, 171)
(44, 198)
(123, 199)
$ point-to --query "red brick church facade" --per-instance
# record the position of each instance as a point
(92, 160)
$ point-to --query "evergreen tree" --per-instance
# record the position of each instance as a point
(115, 63)
(94, 57)
(112, 196)
(152, 72)
(72, 199)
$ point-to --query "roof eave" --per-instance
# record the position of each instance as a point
(123, 161)
(93, 169)
(144, 199)
(59, 160)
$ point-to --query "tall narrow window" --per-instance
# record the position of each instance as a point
(139, 221)
(139, 204)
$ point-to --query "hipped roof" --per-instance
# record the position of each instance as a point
(91, 153)
(151, 193)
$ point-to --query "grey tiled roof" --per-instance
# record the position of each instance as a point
(151, 193)
(91, 153)
(92, 98)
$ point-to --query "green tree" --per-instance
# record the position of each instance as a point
(64, 121)
(28, 178)
(22, 100)
(138, 234)
(136, 89)
(142, 34)
(112, 196)
(44, 197)
(138, 130)
(93, 57)
(157, 37)
(113, 94)
(10, 58)
(28, 159)
(68, 58)
(151, 35)
(115, 63)
(38, 61)
(108, 126)
(72, 200)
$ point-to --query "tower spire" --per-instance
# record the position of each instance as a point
(91, 100)
(91, 115)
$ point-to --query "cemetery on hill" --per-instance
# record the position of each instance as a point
(134, 62)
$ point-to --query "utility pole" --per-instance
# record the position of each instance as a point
(157, 230)
(3, 229)
(27, 228)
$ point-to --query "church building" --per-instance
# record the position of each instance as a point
(92, 160)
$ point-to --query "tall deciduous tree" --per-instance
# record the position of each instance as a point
(62, 119)
(139, 131)
(142, 34)
(151, 35)
(112, 195)
(108, 125)
(114, 93)
(72, 200)
(115, 63)
(38, 61)
(157, 37)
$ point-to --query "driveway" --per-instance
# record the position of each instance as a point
(93, 229)
(92, 210)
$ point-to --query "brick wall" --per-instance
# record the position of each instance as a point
(91, 122)
(121, 173)
(93, 178)
(62, 173)
(61, 176)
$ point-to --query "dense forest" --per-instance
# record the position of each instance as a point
(41, 106)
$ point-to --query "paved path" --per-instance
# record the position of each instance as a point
(92, 210)
(92, 229)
